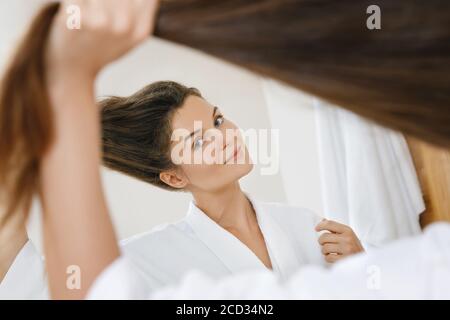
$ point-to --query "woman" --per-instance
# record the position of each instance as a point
(225, 231)
(74, 154)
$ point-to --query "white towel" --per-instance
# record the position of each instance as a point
(368, 177)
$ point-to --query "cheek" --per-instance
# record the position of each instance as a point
(214, 177)
(196, 172)
(204, 176)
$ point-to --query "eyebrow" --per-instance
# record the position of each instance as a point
(196, 131)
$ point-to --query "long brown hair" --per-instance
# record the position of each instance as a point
(137, 130)
(25, 117)
(398, 76)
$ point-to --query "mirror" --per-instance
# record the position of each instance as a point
(305, 160)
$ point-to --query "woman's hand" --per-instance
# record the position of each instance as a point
(339, 242)
(108, 30)
(77, 228)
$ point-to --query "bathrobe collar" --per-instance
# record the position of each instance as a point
(235, 255)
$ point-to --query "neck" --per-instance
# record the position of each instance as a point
(228, 207)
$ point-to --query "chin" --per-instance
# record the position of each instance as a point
(241, 170)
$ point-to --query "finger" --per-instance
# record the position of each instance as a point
(66, 4)
(331, 226)
(147, 11)
(332, 257)
(94, 14)
(123, 15)
(331, 248)
(329, 238)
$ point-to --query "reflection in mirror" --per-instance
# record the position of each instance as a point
(218, 169)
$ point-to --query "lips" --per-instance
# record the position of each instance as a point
(234, 155)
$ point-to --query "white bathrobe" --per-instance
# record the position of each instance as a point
(414, 268)
(166, 254)
(26, 278)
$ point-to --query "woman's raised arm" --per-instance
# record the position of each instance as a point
(79, 236)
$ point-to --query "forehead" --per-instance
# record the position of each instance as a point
(193, 109)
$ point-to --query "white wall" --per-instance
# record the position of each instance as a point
(135, 206)
(292, 112)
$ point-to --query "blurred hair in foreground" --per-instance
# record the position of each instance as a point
(398, 76)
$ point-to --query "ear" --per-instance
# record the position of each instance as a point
(173, 179)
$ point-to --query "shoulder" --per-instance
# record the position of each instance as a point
(286, 211)
(19, 282)
(163, 233)
(294, 220)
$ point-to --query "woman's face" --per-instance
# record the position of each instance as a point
(207, 148)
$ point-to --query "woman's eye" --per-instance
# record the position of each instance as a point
(218, 121)
(198, 143)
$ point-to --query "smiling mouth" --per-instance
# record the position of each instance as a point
(235, 154)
